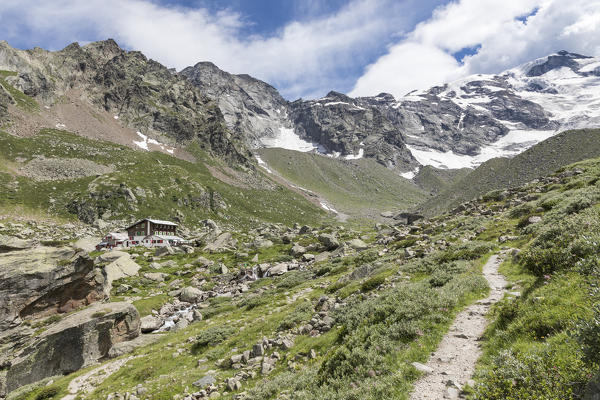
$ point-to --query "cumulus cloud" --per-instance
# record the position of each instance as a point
(506, 33)
(302, 58)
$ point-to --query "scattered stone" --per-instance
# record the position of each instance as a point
(358, 244)
(422, 367)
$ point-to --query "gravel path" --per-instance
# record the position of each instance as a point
(453, 363)
(87, 382)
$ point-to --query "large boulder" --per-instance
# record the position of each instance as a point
(46, 280)
(111, 256)
(358, 244)
(164, 251)
(329, 241)
(120, 268)
(223, 242)
(190, 294)
(277, 269)
(77, 341)
(297, 250)
(150, 323)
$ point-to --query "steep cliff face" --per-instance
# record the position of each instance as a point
(252, 109)
(351, 128)
(141, 94)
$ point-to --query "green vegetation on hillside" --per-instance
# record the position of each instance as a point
(161, 185)
(386, 306)
(355, 187)
(499, 173)
(435, 180)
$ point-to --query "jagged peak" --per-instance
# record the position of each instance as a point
(333, 95)
(205, 64)
(108, 48)
(566, 53)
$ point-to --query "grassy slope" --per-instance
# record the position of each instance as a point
(435, 180)
(357, 187)
(151, 171)
(544, 158)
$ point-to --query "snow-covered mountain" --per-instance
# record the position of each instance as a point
(508, 112)
(460, 124)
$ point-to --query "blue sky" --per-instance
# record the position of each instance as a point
(307, 47)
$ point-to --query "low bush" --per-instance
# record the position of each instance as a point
(213, 335)
(293, 279)
(552, 372)
(465, 251)
(372, 283)
(302, 313)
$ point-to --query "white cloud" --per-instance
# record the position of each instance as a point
(424, 56)
(303, 57)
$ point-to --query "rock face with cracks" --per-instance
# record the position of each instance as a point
(42, 281)
(76, 342)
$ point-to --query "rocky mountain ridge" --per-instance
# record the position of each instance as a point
(460, 124)
(143, 101)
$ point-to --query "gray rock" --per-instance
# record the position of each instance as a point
(262, 243)
(149, 323)
(422, 367)
(203, 262)
(205, 381)
(307, 257)
(164, 251)
(258, 350)
(358, 244)
(179, 325)
(121, 348)
(156, 276)
(277, 269)
(9, 243)
(329, 241)
(190, 294)
(122, 267)
(75, 342)
(223, 242)
(297, 250)
(43, 281)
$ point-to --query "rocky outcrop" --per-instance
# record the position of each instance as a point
(11, 243)
(75, 342)
(45, 280)
(352, 128)
(120, 266)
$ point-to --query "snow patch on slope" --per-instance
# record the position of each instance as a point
(288, 139)
(361, 153)
(410, 174)
(513, 143)
(262, 163)
(145, 141)
(327, 207)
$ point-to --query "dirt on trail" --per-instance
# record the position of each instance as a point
(453, 363)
